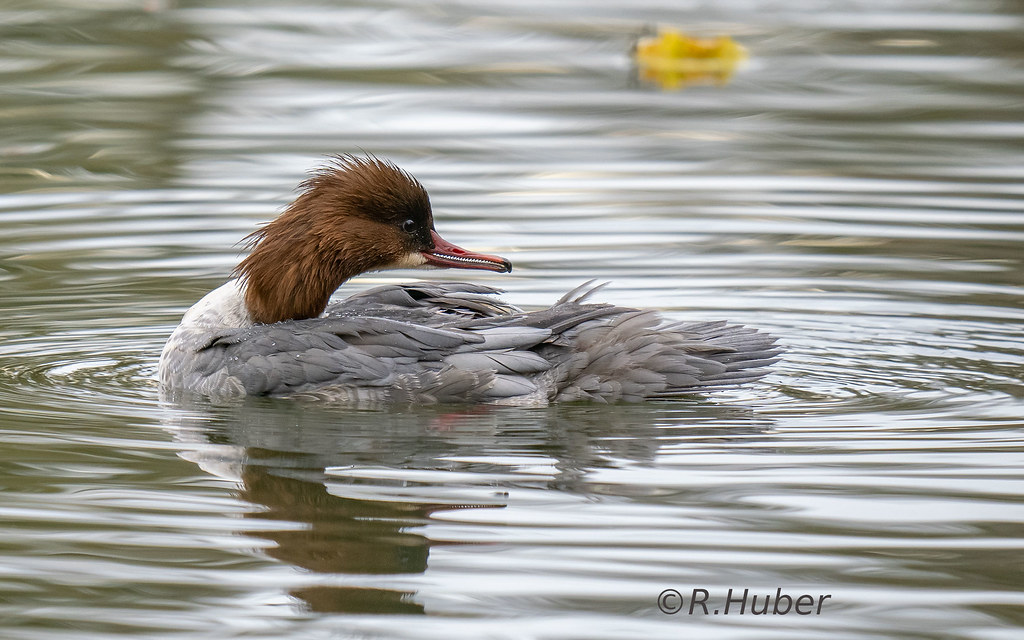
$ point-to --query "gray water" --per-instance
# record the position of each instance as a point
(855, 188)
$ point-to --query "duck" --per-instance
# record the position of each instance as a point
(272, 329)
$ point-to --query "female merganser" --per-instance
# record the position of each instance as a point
(270, 331)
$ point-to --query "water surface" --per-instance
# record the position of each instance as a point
(857, 189)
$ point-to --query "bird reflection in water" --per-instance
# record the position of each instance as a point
(353, 491)
(344, 536)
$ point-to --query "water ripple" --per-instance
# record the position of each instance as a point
(855, 189)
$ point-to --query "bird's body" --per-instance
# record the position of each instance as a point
(270, 331)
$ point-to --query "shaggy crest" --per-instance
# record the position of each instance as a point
(346, 220)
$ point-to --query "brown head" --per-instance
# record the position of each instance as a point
(352, 216)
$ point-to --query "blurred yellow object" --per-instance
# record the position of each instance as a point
(674, 60)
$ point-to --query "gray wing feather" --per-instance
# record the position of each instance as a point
(448, 342)
(613, 354)
(514, 337)
(506, 386)
(432, 303)
(514, 362)
(299, 356)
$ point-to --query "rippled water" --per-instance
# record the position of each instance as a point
(856, 189)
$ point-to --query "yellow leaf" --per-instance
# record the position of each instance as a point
(674, 60)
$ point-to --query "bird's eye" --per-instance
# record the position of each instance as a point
(409, 226)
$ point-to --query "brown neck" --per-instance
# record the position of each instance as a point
(301, 257)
